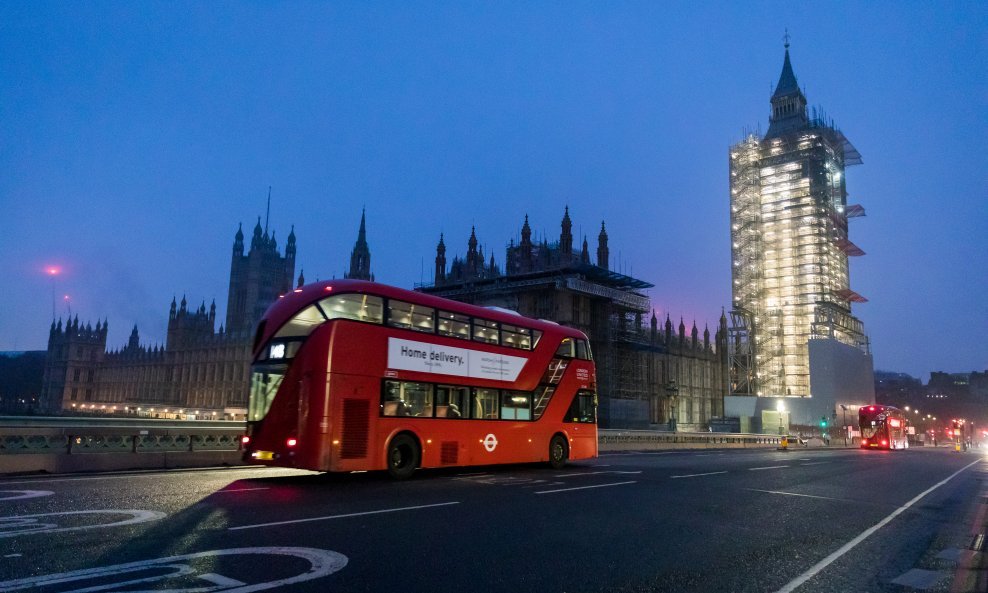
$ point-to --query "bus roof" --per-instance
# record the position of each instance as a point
(291, 303)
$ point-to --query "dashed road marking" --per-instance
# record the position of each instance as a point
(697, 475)
(587, 487)
(796, 494)
(343, 516)
(596, 473)
(814, 463)
(754, 469)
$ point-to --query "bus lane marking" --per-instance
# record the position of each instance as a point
(25, 524)
(343, 516)
(754, 469)
(159, 571)
(697, 475)
(22, 494)
(586, 487)
(819, 566)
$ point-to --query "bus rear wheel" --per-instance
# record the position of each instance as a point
(558, 452)
(403, 457)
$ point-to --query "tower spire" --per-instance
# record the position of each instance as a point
(267, 217)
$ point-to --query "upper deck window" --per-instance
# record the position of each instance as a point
(302, 324)
(485, 331)
(411, 316)
(359, 307)
(516, 337)
(454, 325)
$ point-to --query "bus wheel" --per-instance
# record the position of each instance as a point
(403, 457)
(558, 452)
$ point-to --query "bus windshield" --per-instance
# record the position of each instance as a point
(264, 382)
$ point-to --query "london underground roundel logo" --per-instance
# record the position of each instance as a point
(490, 443)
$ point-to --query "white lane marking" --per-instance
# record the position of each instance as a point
(796, 494)
(328, 517)
(813, 570)
(754, 469)
(12, 555)
(24, 524)
(596, 473)
(222, 581)
(587, 487)
(321, 563)
(805, 459)
(814, 463)
(627, 453)
(241, 490)
(697, 475)
(25, 494)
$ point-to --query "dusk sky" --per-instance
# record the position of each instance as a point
(135, 137)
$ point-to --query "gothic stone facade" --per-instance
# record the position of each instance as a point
(646, 377)
(200, 371)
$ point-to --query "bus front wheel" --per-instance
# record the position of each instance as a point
(558, 452)
(403, 457)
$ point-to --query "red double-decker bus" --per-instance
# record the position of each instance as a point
(882, 427)
(350, 375)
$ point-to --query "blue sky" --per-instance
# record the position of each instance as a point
(136, 136)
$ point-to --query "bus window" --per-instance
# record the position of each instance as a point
(453, 325)
(264, 383)
(485, 331)
(360, 307)
(567, 348)
(302, 324)
(404, 398)
(452, 402)
(484, 404)
(583, 408)
(409, 316)
(543, 395)
(536, 336)
(583, 350)
(516, 405)
(516, 337)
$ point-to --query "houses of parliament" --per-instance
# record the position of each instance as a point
(649, 373)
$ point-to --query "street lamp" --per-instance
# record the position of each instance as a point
(780, 407)
(671, 392)
(844, 408)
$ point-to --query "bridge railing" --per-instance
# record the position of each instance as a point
(65, 444)
(79, 444)
(637, 440)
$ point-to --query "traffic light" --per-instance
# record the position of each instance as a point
(823, 422)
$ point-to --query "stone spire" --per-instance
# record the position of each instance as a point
(566, 239)
(360, 256)
(603, 254)
(788, 102)
(440, 261)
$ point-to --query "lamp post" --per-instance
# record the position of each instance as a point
(844, 408)
(780, 408)
(671, 392)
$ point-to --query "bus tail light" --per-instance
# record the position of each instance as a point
(884, 442)
(291, 442)
(245, 440)
(864, 442)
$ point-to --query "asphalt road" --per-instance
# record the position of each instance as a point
(732, 520)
